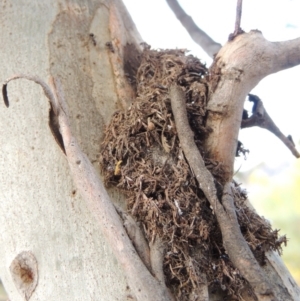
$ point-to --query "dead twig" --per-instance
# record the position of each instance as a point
(261, 118)
(237, 27)
(199, 36)
(141, 282)
(233, 240)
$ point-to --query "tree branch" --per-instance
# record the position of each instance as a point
(261, 118)
(286, 54)
(142, 283)
(233, 240)
(237, 27)
(238, 67)
(199, 36)
(238, 16)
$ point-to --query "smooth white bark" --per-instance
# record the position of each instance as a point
(40, 209)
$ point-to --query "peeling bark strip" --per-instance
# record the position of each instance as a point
(233, 240)
(186, 137)
(142, 283)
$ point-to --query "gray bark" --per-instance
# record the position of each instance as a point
(40, 208)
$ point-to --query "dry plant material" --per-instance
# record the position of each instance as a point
(162, 191)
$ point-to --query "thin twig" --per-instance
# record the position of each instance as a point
(239, 5)
(261, 118)
(198, 35)
(237, 27)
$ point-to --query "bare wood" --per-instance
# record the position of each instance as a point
(233, 240)
(199, 36)
(284, 275)
(157, 254)
(36, 186)
(200, 293)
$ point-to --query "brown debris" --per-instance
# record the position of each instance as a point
(162, 191)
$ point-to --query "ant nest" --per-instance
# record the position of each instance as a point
(141, 155)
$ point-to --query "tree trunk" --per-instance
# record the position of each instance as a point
(46, 223)
(41, 210)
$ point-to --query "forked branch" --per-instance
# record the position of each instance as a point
(239, 66)
(261, 118)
